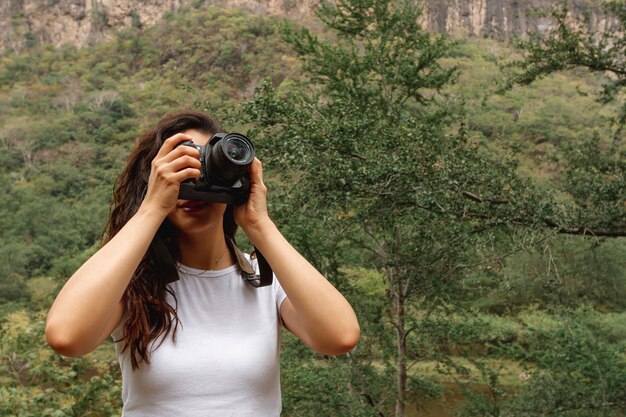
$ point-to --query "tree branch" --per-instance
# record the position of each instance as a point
(582, 230)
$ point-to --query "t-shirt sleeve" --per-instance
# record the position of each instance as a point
(280, 297)
(279, 292)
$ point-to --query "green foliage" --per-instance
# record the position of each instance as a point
(596, 181)
(561, 271)
(569, 369)
(13, 289)
(570, 46)
(326, 388)
(38, 382)
(594, 165)
(573, 373)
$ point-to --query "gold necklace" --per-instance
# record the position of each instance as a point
(201, 272)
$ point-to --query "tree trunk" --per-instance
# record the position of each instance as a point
(401, 372)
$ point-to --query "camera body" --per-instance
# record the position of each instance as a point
(224, 174)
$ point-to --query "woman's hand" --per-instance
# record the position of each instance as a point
(252, 215)
(171, 166)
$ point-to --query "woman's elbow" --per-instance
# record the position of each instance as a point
(343, 343)
(350, 339)
(62, 342)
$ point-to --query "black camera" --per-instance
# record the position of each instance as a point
(224, 174)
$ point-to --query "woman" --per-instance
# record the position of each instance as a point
(207, 343)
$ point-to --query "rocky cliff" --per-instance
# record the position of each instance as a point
(82, 22)
(505, 18)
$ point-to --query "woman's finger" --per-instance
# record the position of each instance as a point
(183, 162)
(256, 172)
(186, 174)
(170, 143)
(182, 153)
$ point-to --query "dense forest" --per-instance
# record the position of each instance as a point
(467, 195)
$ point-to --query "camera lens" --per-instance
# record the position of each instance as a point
(237, 149)
(230, 158)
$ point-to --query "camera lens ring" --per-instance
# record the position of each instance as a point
(238, 149)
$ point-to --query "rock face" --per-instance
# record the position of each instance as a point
(78, 22)
(83, 22)
(506, 18)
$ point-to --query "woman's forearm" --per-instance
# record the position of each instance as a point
(90, 299)
(327, 318)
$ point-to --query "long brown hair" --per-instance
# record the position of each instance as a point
(147, 314)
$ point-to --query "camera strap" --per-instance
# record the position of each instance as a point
(166, 266)
(265, 275)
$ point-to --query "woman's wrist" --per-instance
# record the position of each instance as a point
(151, 213)
(259, 231)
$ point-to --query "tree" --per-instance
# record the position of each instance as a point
(574, 369)
(571, 45)
(374, 163)
(594, 169)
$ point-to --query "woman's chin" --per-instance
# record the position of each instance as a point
(190, 217)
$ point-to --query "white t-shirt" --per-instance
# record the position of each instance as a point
(225, 360)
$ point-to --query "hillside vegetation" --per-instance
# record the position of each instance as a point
(540, 320)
